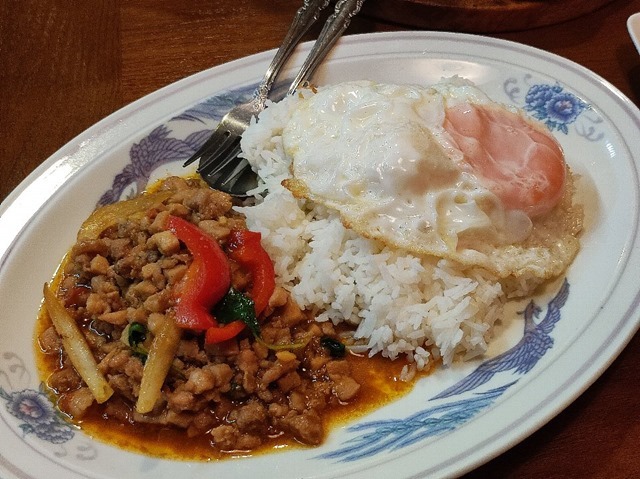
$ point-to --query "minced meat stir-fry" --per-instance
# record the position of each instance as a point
(166, 312)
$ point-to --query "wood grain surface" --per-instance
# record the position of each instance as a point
(65, 64)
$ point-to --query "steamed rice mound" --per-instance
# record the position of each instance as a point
(427, 308)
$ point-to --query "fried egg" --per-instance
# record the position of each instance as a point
(440, 170)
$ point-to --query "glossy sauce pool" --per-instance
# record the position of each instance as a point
(378, 377)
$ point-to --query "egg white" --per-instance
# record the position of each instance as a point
(379, 155)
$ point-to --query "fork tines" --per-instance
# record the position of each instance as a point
(214, 145)
(230, 174)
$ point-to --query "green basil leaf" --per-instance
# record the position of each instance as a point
(137, 334)
(237, 306)
(336, 348)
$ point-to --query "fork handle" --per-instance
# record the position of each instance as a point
(306, 16)
(336, 24)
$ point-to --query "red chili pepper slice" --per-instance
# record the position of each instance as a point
(207, 279)
(218, 334)
(246, 249)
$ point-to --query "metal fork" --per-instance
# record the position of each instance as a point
(219, 164)
(223, 144)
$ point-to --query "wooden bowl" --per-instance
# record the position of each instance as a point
(478, 15)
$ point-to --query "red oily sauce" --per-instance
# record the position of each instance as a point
(380, 384)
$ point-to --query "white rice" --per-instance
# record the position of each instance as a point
(426, 308)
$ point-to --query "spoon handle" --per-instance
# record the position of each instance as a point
(304, 18)
(336, 24)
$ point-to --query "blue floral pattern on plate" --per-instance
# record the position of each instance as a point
(37, 415)
(554, 106)
(33, 409)
(392, 434)
(159, 148)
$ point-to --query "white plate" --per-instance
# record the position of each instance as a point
(488, 409)
(633, 25)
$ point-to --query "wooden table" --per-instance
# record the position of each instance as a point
(66, 64)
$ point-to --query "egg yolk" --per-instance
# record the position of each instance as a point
(522, 165)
